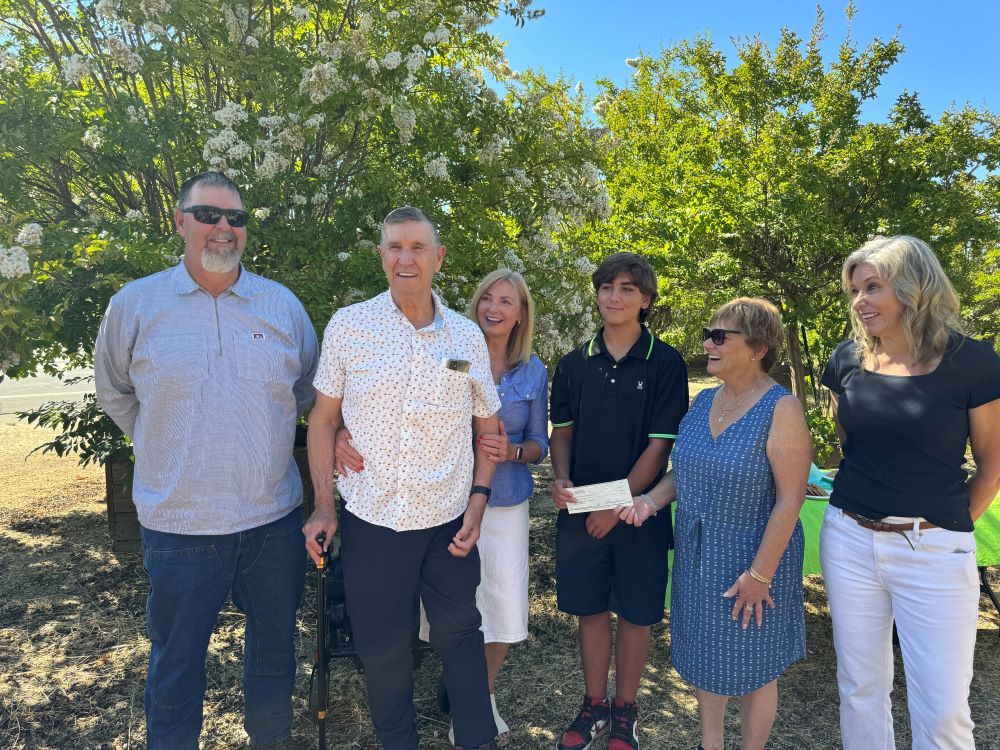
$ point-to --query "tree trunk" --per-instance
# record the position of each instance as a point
(795, 364)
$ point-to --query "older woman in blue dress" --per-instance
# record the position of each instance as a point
(739, 475)
(505, 311)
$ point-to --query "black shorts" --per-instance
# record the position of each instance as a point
(593, 576)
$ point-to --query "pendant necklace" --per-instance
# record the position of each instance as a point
(738, 403)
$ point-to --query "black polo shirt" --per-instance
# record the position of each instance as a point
(615, 408)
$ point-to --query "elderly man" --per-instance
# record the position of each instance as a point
(207, 367)
(411, 381)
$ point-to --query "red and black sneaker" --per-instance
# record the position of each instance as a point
(589, 724)
(624, 726)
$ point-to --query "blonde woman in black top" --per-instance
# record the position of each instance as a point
(910, 390)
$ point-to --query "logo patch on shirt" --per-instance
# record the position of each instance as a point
(257, 336)
(638, 386)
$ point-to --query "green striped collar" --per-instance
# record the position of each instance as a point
(641, 349)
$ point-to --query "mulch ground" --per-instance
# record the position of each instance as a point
(73, 646)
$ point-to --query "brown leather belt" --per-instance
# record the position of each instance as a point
(869, 523)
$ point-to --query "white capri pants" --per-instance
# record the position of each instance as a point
(502, 596)
(932, 591)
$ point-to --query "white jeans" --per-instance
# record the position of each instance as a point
(932, 591)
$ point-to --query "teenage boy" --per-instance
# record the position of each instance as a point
(617, 402)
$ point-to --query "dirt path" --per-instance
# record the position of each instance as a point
(73, 648)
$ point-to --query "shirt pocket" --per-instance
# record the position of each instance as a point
(515, 408)
(260, 361)
(451, 390)
(178, 364)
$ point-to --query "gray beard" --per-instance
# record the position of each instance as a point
(220, 262)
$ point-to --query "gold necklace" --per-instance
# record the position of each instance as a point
(739, 402)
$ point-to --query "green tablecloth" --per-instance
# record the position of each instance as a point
(987, 537)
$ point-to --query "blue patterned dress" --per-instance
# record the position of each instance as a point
(725, 494)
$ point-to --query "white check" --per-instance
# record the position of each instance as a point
(601, 496)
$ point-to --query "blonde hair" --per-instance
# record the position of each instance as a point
(760, 323)
(519, 341)
(930, 305)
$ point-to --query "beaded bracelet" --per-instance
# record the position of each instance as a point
(648, 501)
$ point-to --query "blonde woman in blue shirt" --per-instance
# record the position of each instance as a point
(505, 311)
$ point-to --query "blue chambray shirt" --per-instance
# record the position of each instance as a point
(525, 415)
(209, 389)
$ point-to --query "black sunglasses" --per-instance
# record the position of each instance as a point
(236, 217)
(718, 335)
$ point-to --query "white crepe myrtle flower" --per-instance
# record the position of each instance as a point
(415, 59)
(579, 88)
(333, 51)
(133, 215)
(437, 168)
(231, 114)
(8, 63)
(291, 137)
(30, 234)
(271, 165)
(222, 142)
(75, 69)
(633, 62)
(238, 151)
(320, 81)
(270, 122)
(392, 60)
(260, 214)
(155, 29)
(123, 56)
(107, 9)
(343, 256)
(392, 15)
(14, 262)
(314, 121)
(299, 200)
(251, 42)
(300, 13)
(320, 197)
(93, 137)
(585, 265)
(406, 122)
(600, 107)
(154, 8)
(10, 360)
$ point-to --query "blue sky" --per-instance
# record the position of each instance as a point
(952, 54)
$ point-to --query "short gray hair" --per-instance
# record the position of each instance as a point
(209, 179)
(404, 214)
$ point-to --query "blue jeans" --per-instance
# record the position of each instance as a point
(189, 580)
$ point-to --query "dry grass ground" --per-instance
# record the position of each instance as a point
(73, 648)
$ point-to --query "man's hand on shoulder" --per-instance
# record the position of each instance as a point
(320, 521)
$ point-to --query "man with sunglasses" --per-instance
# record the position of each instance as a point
(207, 367)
